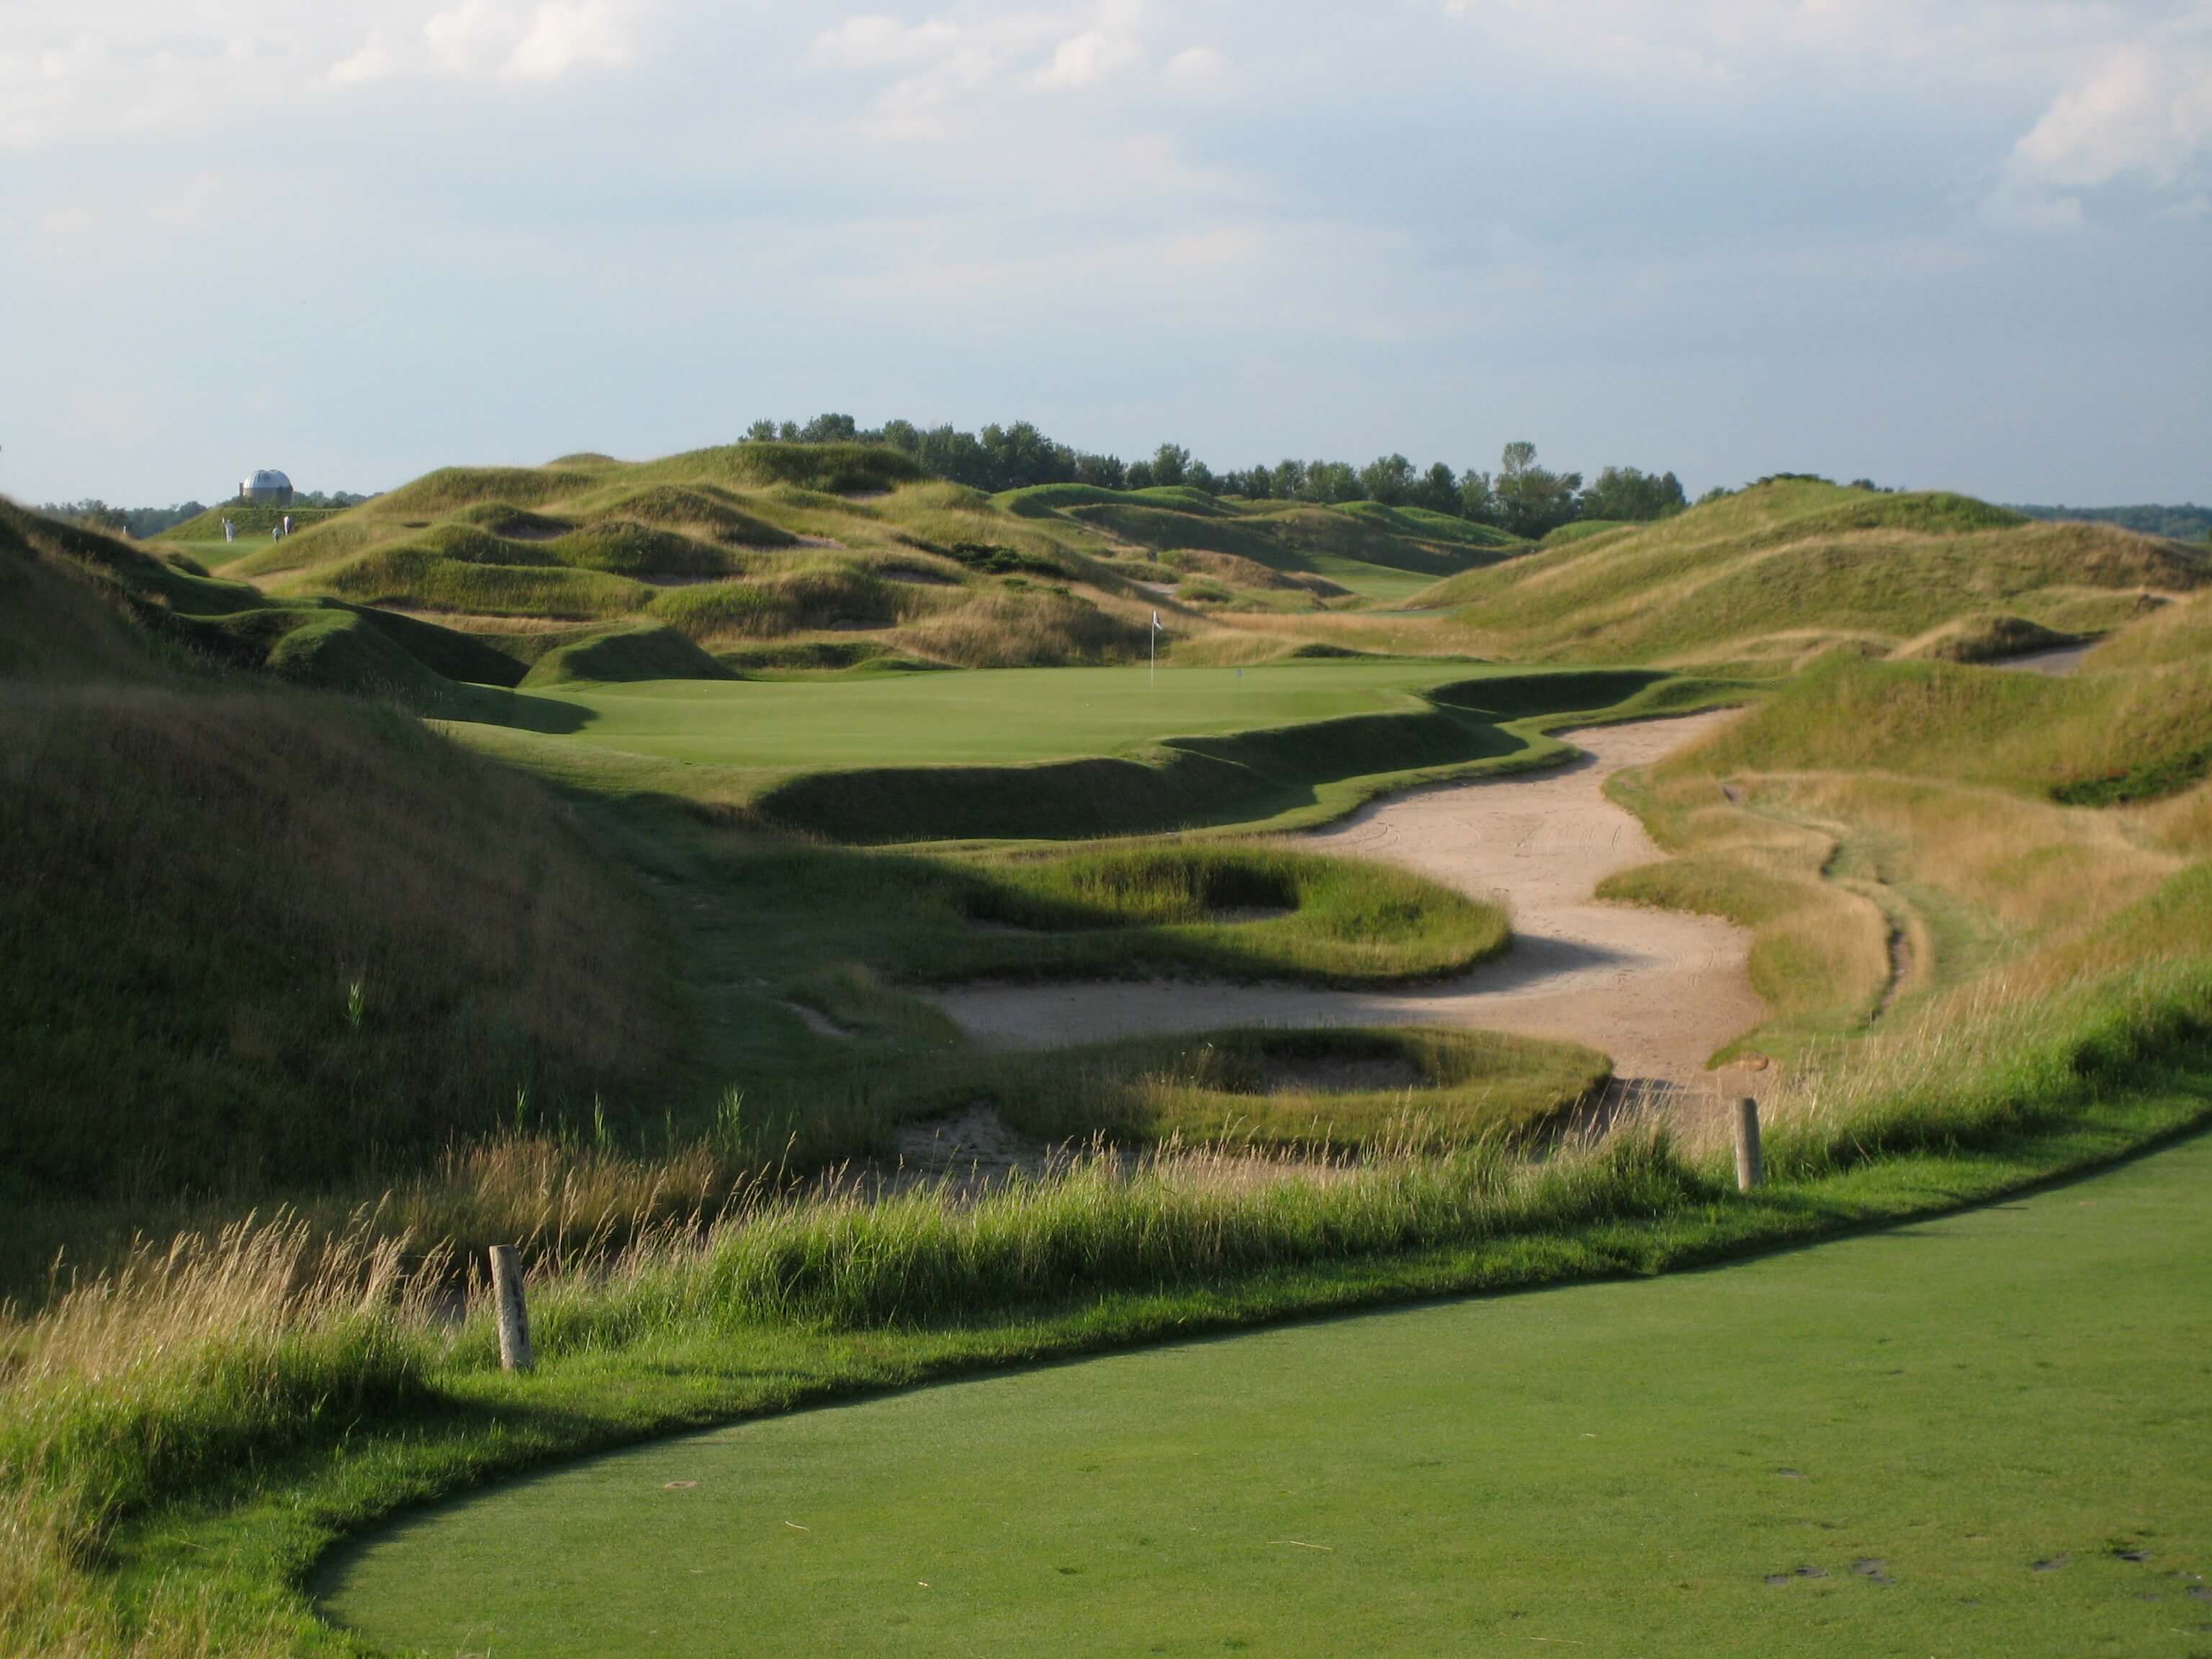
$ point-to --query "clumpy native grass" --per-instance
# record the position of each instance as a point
(1994, 1059)
(850, 1258)
(180, 1369)
(572, 1204)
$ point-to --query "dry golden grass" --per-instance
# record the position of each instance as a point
(1820, 955)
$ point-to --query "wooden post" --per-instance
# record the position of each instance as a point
(1750, 1168)
(514, 1353)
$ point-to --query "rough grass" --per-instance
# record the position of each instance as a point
(1897, 830)
(225, 904)
(1327, 1092)
(1777, 574)
(2179, 633)
(2096, 737)
(1983, 638)
(800, 539)
(1286, 913)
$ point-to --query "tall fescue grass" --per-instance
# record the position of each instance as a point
(178, 1372)
(1782, 572)
(1969, 724)
(407, 936)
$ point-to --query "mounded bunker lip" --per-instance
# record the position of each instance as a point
(1658, 990)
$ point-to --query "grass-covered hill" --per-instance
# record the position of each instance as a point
(258, 937)
(762, 556)
(1777, 573)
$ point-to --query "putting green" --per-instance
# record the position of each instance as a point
(987, 716)
(1952, 1438)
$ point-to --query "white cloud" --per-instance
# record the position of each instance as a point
(1091, 56)
(1196, 69)
(571, 34)
(2141, 114)
(1230, 245)
(472, 38)
(875, 40)
(977, 51)
(372, 62)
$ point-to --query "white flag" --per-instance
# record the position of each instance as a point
(1156, 619)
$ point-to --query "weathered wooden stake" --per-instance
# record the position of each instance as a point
(514, 1353)
(1750, 1168)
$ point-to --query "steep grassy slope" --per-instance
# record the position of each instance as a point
(1780, 572)
(94, 604)
(1929, 850)
(803, 545)
(261, 936)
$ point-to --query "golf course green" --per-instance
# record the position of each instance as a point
(989, 716)
(1982, 1434)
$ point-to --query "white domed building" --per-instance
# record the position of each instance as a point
(267, 488)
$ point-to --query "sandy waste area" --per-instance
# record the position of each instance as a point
(1658, 990)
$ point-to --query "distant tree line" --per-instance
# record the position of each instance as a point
(136, 522)
(1521, 497)
(140, 522)
(2186, 523)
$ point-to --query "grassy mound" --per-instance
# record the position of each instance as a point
(1223, 912)
(2062, 738)
(2178, 633)
(638, 653)
(261, 936)
(1348, 1089)
(1983, 638)
(1905, 840)
(796, 541)
(90, 604)
(1777, 574)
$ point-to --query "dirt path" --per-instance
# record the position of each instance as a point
(1658, 990)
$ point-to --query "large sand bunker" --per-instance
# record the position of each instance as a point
(1658, 990)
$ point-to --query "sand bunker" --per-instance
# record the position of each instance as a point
(1658, 990)
(2059, 662)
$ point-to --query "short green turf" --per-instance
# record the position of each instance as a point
(1977, 1435)
(986, 715)
(1370, 581)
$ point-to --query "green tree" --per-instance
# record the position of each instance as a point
(1438, 489)
(1624, 493)
(1533, 501)
(1387, 479)
(1106, 471)
(1171, 464)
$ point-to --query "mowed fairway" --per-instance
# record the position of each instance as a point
(989, 716)
(1986, 1434)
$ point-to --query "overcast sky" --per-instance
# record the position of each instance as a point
(1941, 244)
